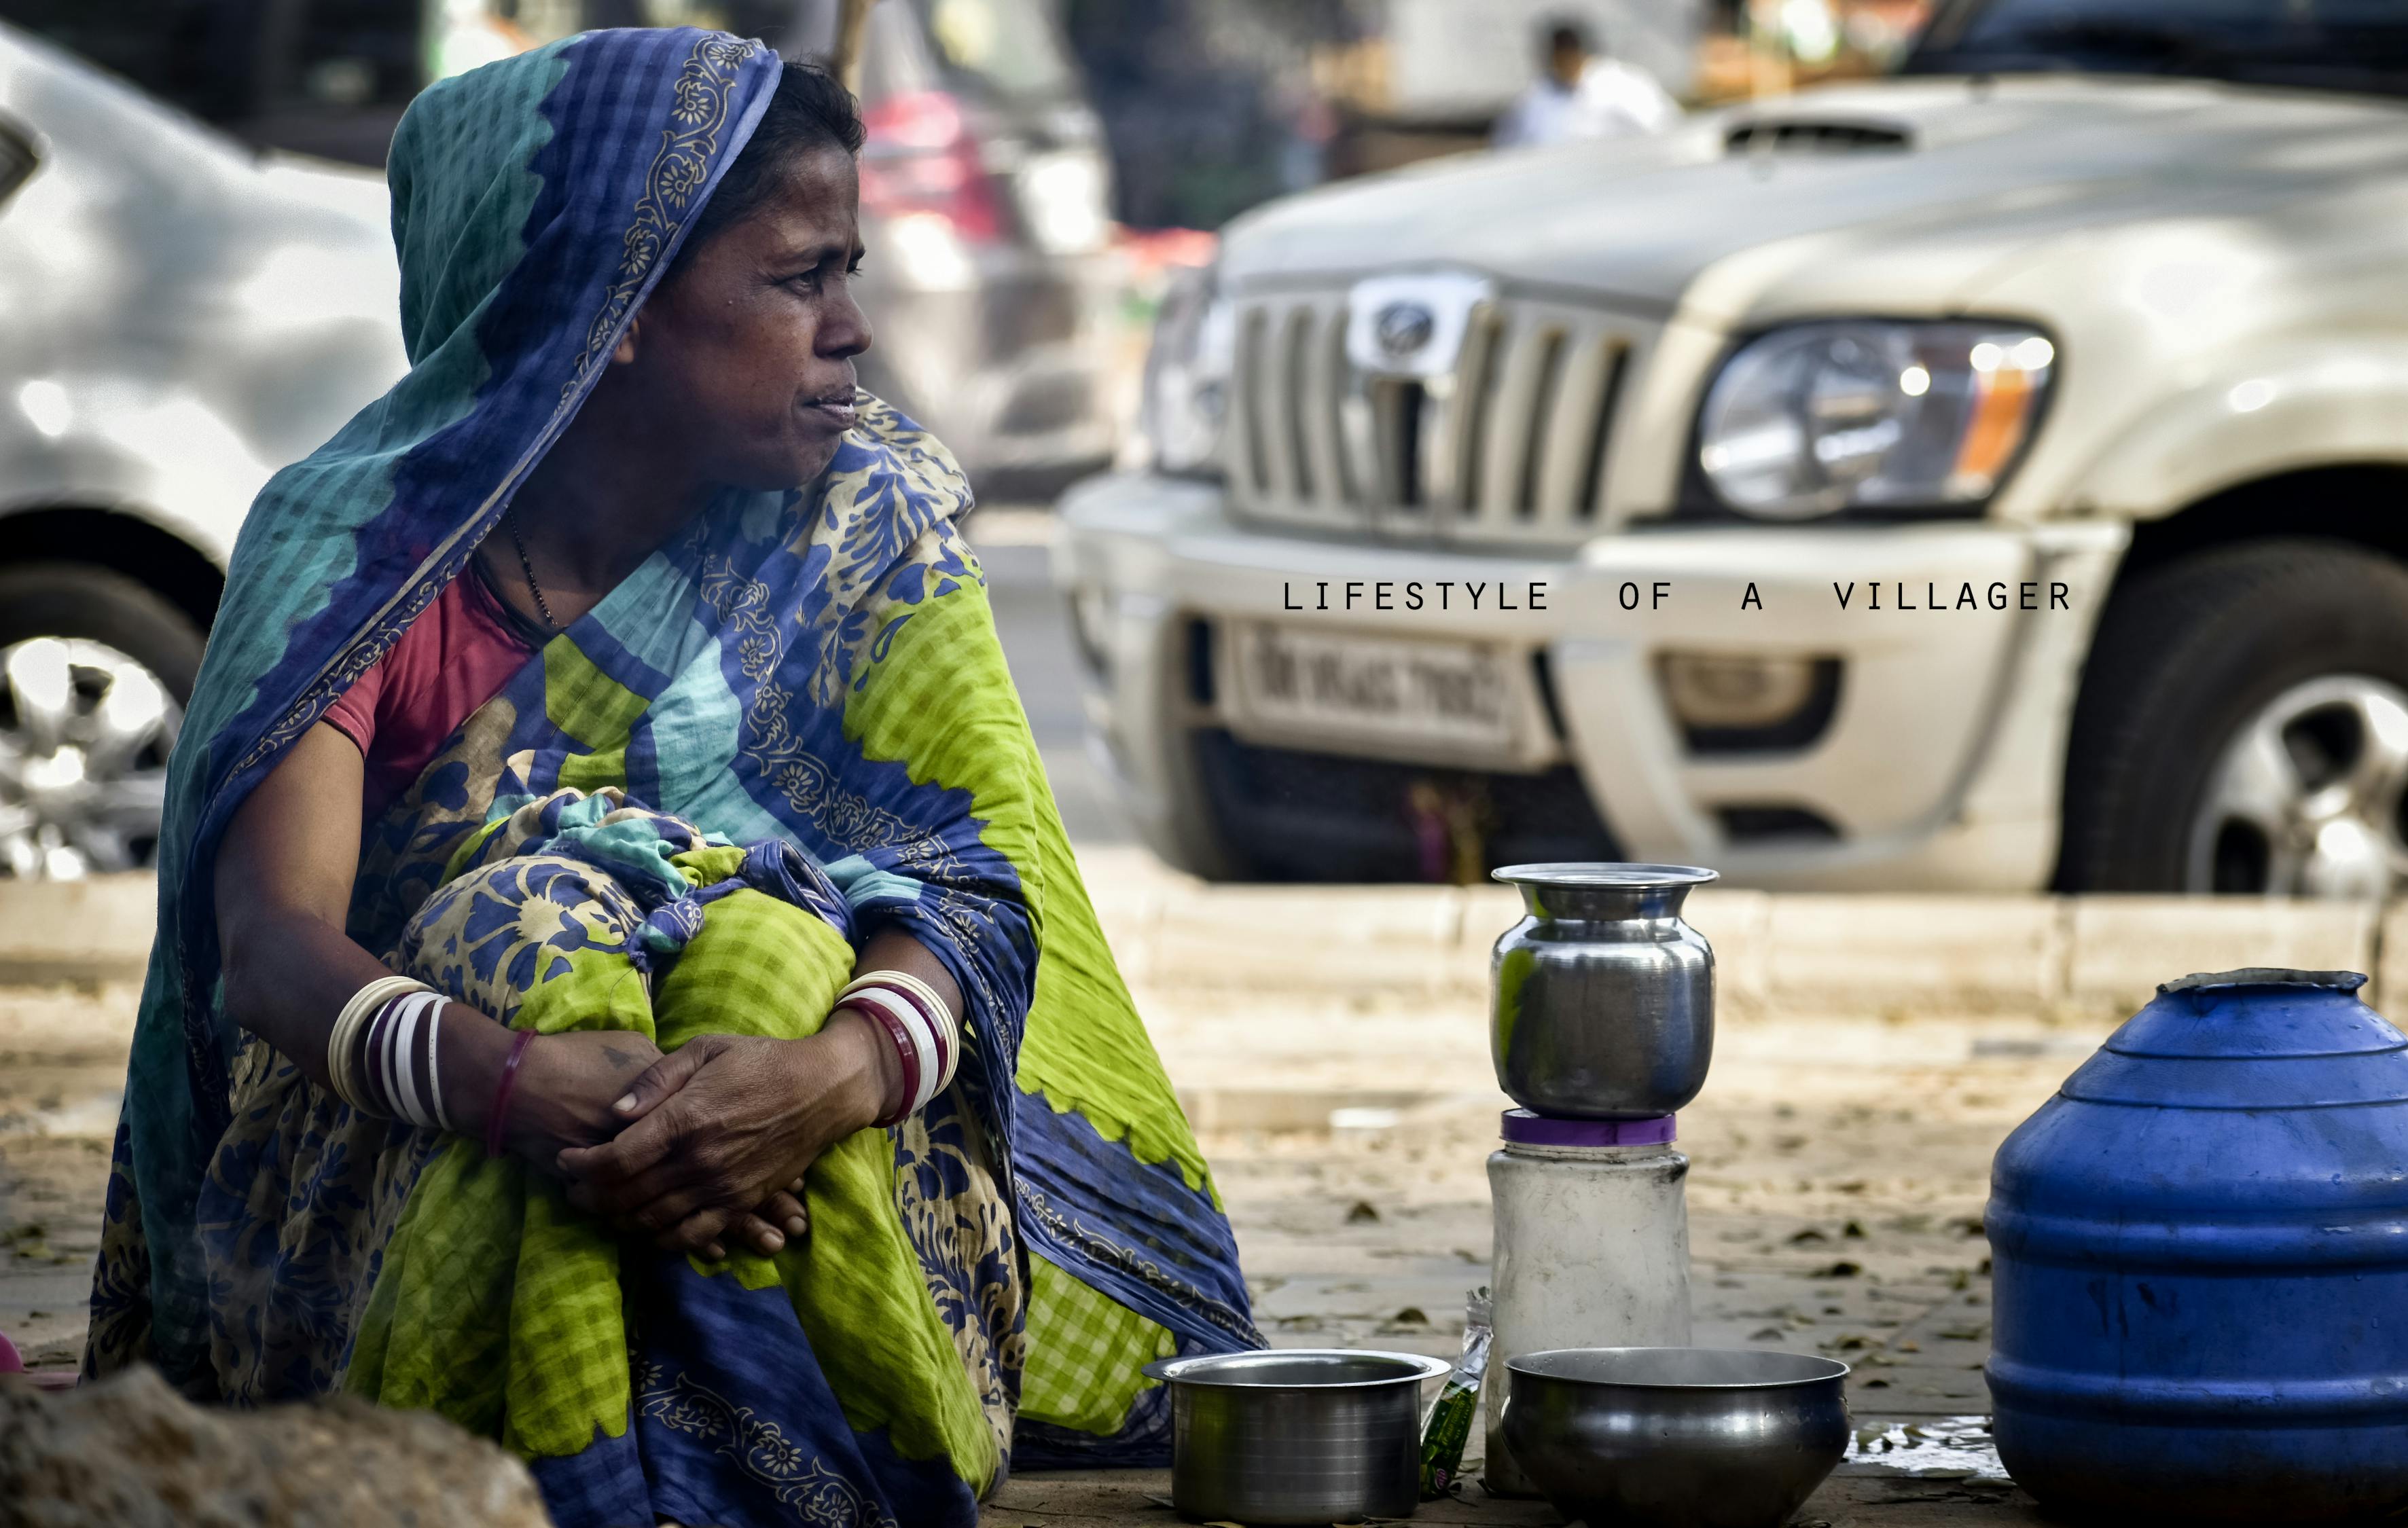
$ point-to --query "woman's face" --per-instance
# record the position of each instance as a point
(743, 358)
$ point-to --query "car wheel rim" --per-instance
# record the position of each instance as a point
(2308, 796)
(84, 737)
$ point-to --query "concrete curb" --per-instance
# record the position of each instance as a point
(96, 930)
(1797, 952)
(1792, 951)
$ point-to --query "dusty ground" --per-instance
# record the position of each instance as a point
(1839, 1166)
(61, 1073)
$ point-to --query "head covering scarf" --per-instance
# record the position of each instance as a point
(801, 698)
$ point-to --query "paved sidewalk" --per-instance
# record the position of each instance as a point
(1838, 1170)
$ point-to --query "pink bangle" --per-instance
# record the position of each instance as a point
(501, 1111)
(905, 1051)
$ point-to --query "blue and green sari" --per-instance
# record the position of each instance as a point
(790, 727)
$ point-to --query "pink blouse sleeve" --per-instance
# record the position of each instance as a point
(353, 713)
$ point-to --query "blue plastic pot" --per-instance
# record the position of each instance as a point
(2201, 1250)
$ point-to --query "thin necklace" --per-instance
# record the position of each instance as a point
(511, 516)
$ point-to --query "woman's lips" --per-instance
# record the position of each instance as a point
(839, 413)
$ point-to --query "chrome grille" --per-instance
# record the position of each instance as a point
(1511, 445)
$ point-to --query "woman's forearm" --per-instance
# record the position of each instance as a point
(288, 974)
(892, 949)
(284, 886)
(864, 1072)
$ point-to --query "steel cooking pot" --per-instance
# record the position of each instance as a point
(1296, 1435)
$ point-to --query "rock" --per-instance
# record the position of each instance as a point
(129, 1452)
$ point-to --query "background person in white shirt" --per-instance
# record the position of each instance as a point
(1584, 94)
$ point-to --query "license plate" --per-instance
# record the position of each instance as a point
(1455, 694)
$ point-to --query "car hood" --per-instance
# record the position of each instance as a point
(1943, 180)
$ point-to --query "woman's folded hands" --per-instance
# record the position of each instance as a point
(714, 1139)
(565, 1089)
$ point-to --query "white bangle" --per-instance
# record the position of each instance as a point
(935, 1011)
(385, 1048)
(931, 1060)
(905, 979)
(412, 1013)
(344, 1038)
(400, 1054)
(434, 1055)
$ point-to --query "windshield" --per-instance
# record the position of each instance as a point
(2344, 45)
(226, 65)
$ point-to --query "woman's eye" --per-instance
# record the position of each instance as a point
(814, 282)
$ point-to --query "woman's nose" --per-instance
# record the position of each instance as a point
(844, 329)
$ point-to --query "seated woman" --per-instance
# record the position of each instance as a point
(620, 979)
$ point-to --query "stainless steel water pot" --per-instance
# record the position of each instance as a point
(1602, 999)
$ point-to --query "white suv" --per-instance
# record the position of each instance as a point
(1984, 477)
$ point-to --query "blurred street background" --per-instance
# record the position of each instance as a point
(1039, 174)
(1952, 448)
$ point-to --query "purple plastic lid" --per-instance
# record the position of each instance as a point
(1524, 1128)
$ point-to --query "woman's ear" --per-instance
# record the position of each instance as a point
(626, 351)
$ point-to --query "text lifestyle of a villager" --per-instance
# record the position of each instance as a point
(1473, 595)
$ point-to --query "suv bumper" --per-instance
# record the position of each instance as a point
(1939, 766)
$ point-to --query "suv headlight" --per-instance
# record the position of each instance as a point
(1817, 418)
(1185, 409)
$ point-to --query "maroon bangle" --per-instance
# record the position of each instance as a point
(501, 1111)
(905, 1051)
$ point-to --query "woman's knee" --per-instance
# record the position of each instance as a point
(497, 932)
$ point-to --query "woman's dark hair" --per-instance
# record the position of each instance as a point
(810, 110)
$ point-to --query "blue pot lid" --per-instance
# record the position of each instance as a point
(2251, 1040)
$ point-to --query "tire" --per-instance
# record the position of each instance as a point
(78, 599)
(2191, 657)
(89, 773)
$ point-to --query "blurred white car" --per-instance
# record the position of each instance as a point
(1979, 478)
(984, 189)
(183, 315)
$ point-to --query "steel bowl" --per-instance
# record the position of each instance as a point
(1676, 1437)
(1296, 1435)
(1603, 997)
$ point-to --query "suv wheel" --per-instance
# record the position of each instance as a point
(94, 673)
(2243, 728)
